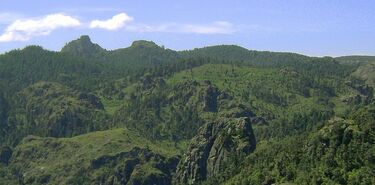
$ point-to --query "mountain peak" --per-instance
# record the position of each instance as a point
(82, 47)
(84, 39)
(144, 44)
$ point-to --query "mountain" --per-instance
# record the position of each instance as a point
(83, 47)
(144, 114)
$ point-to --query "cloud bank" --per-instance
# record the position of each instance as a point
(24, 30)
(116, 22)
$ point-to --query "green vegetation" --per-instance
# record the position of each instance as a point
(366, 73)
(135, 115)
(339, 152)
(51, 109)
(89, 156)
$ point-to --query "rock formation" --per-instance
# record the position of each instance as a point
(216, 143)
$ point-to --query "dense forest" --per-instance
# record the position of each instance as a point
(215, 115)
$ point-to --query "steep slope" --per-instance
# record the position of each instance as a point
(212, 150)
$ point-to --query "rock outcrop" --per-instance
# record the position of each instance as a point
(365, 94)
(216, 143)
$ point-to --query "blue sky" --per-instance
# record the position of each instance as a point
(312, 27)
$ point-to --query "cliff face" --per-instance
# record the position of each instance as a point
(216, 143)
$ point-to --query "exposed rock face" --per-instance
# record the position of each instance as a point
(216, 143)
(365, 94)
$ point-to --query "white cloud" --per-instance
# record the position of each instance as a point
(116, 22)
(219, 27)
(25, 29)
(123, 20)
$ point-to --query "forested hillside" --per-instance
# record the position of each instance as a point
(215, 115)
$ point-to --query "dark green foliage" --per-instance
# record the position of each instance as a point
(166, 111)
(4, 108)
(51, 109)
(5, 155)
(83, 47)
(340, 152)
(313, 117)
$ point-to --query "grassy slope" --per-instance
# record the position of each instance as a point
(62, 158)
(52, 109)
(243, 79)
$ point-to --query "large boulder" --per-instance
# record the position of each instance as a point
(210, 151)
